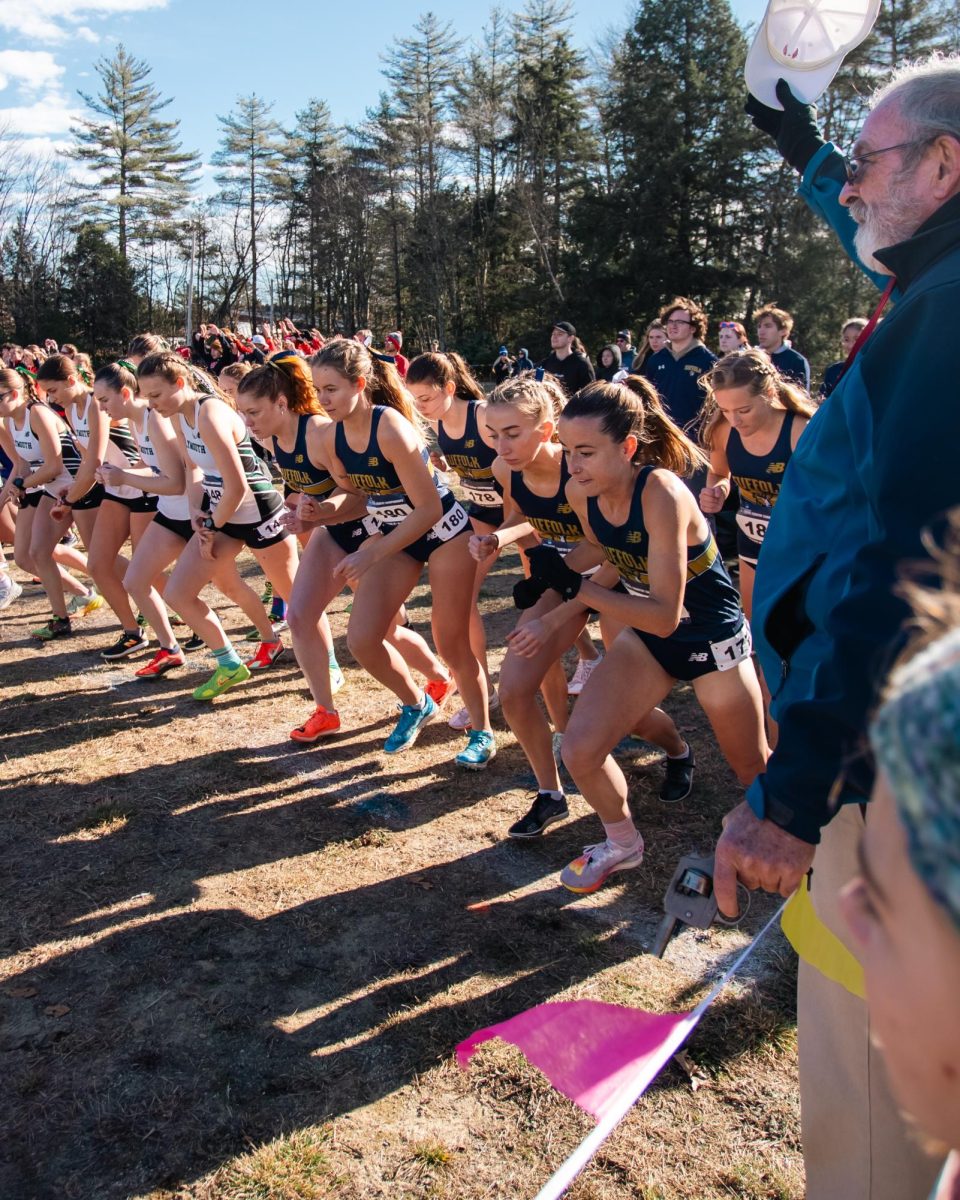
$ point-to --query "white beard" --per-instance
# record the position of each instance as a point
(879, 227)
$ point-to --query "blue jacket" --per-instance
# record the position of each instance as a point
(875, 467)
(678, 381)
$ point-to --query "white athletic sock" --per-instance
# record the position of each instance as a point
(685, 754)
(622, 833)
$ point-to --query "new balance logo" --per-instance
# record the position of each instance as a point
(699, 656)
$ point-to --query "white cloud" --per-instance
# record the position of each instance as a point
(30, 69)
(52, 21)
(51, 114)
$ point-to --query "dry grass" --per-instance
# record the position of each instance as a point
(235, 969)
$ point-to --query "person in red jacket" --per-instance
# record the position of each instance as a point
(392, 344)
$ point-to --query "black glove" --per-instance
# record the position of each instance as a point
(527, 592)
(547, 566)
(795, 130)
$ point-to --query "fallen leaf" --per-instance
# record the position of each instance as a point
(20, 993)
(57, 1010)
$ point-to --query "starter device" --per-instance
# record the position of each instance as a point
(690, 901)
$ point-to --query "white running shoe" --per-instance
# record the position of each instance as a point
(585, 668)
(10, 590)
(461, 719)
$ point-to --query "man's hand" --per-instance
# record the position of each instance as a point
(759, 854)
(795, 130)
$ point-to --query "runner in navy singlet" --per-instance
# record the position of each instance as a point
(678, 612)
(375, 449)
(522, 414)
(279, 404)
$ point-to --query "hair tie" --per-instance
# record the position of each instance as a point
(127, 365)
(26, 372)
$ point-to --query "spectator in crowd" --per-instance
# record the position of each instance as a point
(627, 352)
(654, 340)
(503, 365)
(676, 369)
(364, 337)
(774, 326)
(567, 359)
(609, 363)
(873, 471)
(732, 337)
(392, 344)
(523, 361)
(848, 339)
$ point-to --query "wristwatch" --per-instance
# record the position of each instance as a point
(207, 523)
(18, 483)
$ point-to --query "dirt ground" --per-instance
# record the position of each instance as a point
(237, 969)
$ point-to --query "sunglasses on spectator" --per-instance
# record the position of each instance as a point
(728, 324)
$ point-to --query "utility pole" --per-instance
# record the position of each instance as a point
(188, 323)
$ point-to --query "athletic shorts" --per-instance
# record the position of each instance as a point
(265, 531)
(136, 504)
(451, 525)
(482, 512)
(31, 499)
(349, 535)
(686, 660)
(183, 529)
(93, 499)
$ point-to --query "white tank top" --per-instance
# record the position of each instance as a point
(27, 445)
(176, 508)
(248, 513)
(114, 455)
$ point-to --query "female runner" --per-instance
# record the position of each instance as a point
(121, 513)
(239, 507)
(522, 417)
(451, 400)
(754, 422)
(164, 474)
(374, 448)
(45, 460)
(679, 613)
(279, 404)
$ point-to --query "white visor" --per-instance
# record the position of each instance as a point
(804, 42)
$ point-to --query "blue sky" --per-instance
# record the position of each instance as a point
(204, 55)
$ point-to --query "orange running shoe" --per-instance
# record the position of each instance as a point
(320, 723)
(266, 655)
(438, 690)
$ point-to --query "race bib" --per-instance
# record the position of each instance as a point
(484, 494)
(271, 527)
(634, 588)
(753, 524)
(388, 512)
(450, 524)
(733, 650)
(214, 489)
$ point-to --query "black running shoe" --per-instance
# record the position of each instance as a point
(125, 645)
(543, 812)
(678, 781)
(193, 643)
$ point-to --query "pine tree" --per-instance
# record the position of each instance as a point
(250, 158)
(142, 172)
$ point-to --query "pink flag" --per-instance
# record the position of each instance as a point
(591, 1052)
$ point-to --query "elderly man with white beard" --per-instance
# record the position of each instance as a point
(877, 466)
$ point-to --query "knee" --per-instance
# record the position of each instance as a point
(577, 754)
(303, 623)
(25, 561)
(515, 690)
(100, 564)
(364, 643)
(135, 585)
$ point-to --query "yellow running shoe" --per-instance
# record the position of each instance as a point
(83, 606)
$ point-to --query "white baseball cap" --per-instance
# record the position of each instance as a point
(805, 42)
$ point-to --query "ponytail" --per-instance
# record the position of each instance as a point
(283, 374)
(118, 375)
(22, 378)
(442, 369)
(171, 367)
(383, 385)
(633, 407)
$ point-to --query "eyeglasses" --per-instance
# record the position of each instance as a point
(673, 321)
(728, 324)
(854, 163)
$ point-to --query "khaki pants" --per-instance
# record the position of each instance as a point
(856, 1146)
